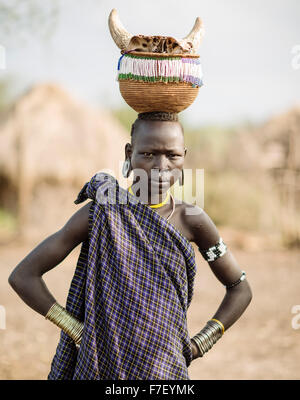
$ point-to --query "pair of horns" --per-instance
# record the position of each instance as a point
(122, 38)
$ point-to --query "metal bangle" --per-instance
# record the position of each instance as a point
(65, 321)
(207, 337)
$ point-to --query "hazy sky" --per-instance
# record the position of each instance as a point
(246, 53)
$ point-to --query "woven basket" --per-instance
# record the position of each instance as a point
(158, 96)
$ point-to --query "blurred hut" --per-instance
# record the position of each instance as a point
(50, 145)
(253, 177)
(280, 143)
(269, 156)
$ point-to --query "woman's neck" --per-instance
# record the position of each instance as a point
(156, 200)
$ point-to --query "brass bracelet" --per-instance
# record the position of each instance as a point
(65, 321)
(220, 323)
(208, 336)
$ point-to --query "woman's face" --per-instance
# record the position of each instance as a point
(158, 146)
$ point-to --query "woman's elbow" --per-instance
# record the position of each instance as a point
(242, 293)
(18, 279)
(248, 293)
(15, 280)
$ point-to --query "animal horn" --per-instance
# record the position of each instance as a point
(119, 34)
(195, 36)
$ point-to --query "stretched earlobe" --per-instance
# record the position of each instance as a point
(126, 169)
(128, 150)
(181, 178)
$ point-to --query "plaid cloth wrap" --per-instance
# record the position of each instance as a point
(132, 286)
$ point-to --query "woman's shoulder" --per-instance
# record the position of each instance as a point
(200, 227)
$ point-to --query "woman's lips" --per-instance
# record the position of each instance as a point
(160, 182)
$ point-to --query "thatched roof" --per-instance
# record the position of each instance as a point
(273, 145)
(64, 140)
(279, 139)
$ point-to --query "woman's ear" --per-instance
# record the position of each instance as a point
(128, 150)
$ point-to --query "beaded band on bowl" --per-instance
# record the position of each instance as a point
(157, 68)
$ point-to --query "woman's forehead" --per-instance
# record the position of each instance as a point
(159, 144)
(158, 135)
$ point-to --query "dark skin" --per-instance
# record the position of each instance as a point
(156, 145)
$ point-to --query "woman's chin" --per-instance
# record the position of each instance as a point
(154, 189)
(159, 188)
(162, 186)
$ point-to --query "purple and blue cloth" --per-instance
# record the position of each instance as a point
(132, 286)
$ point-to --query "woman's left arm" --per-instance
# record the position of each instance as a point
(238, 297)
(225, 268)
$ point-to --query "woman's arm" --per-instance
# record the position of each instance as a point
(226, 270)
(26, 278)
(237, 298)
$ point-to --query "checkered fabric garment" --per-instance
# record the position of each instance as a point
(132, 287)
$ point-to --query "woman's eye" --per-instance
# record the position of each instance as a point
(147, 154)
(173, 155)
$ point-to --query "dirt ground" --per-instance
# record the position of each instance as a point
(262, 344)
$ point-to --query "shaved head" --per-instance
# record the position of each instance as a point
(146, 121)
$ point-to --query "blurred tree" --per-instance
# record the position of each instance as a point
(126, 117)
(19, 21)
(5, 94)
(34, 18)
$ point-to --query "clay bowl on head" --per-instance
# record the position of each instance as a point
(159, 82)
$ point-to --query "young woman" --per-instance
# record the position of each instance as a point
(125, 316)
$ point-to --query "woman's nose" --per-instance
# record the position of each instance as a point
(160, 162)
